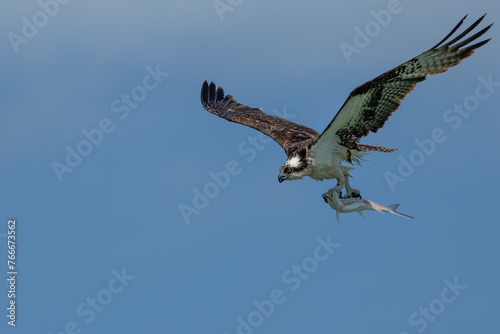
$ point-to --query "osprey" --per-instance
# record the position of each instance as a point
(320, 156)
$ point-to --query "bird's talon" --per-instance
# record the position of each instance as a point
(356, 193)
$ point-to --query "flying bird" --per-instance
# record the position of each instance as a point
(367, 108)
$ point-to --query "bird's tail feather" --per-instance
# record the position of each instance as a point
(367, 148)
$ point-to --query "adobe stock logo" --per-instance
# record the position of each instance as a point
(219, 180)
(223, 6)
(454, 117)
(94, 137)
(292, 278)
(31, 26)
(98, 302)
(436, 307)
(363, 37)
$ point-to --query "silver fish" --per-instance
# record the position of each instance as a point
(356, 205)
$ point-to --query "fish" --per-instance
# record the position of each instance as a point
(346, 205)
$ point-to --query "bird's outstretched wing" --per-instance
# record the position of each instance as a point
(369, 106)
(284, 132)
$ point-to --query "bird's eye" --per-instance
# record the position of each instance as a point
(288, 170)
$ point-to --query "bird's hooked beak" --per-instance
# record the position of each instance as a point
(282, 178)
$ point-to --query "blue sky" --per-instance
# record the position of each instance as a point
(102, 244)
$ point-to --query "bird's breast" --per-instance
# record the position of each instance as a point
(324, 171)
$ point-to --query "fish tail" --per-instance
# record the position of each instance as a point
(393, 210)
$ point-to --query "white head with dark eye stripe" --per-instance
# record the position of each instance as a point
(293, 169)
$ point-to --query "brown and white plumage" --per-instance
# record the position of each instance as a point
(283, 131)
(370, 105)
(366, 110)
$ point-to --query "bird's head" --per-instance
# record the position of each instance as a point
(293, 169)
